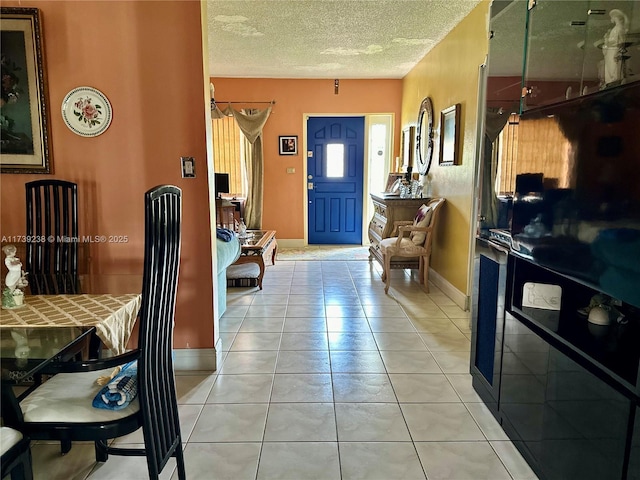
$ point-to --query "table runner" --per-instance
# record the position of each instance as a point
(113, 315)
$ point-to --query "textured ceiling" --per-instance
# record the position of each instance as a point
(326, 38)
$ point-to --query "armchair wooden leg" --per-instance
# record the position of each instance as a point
(387, 272)
(424, 262)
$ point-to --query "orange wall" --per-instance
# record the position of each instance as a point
(283, 193)
(146, 57)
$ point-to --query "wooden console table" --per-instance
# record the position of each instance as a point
(388, 209)
(257, 245)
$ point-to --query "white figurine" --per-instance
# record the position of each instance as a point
(15, 280)
(613, 47)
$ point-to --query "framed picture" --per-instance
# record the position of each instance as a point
(288, 145)
(392, 182)
(408, 146)
(450, 135)
(23, 106)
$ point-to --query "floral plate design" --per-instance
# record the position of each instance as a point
(86, 111)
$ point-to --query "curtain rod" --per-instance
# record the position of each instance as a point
(220, 102)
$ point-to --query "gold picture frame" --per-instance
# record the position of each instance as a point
(23, 107)
(450, 135)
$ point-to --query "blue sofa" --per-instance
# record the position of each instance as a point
(226, 254)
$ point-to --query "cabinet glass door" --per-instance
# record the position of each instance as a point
(612, 53)
(502, 103)
(556, 34)
(577, 47)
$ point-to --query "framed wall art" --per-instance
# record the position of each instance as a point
(288, 145)
(24, 122)
(450, 135)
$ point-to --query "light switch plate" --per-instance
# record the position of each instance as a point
(188, 167)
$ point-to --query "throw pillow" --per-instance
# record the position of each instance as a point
(422, 219)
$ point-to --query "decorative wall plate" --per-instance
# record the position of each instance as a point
(86, 111)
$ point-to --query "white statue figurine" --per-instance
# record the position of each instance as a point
(613, 47)
(15, 279)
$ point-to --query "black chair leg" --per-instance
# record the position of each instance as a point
(22, 470)
(182, 475)
(102, 452)
(65, 446)
(18, 473)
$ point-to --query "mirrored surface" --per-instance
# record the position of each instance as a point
(424, 138)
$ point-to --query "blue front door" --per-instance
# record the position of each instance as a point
(335, 163)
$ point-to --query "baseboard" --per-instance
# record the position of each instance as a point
(194, 359)
(459, 298)
(290, 242)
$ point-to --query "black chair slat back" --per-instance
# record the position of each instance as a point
(156, 382)
(52, 237)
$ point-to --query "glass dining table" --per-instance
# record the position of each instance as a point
(26, 352)
(55, 328)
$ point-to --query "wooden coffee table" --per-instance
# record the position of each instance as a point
(257, 245)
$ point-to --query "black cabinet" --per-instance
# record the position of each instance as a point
(568, 423)
(634, 460)
(569, 394)
(487, 316)
(610, 352)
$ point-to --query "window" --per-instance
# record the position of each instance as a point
(335, 160)
(227, 153)
(378, 156)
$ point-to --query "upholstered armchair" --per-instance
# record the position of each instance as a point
(411, 240)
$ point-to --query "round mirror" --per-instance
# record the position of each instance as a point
(424, 138)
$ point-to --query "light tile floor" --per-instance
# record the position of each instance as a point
(323, 376)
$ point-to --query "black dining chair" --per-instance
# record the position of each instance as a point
(16, 455)
(61, 408)
(52, 237)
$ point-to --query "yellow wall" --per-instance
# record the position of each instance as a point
(147, 59)
(449, 75)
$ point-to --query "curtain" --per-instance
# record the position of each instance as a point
(251, 122)
(216, 113)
